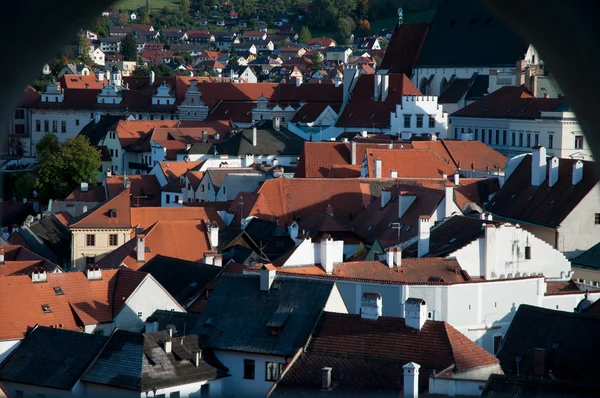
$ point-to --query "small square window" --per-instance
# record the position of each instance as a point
(578, 142)
(419, 121)
(139, 314)
(113, 240)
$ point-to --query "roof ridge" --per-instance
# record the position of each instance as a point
(101, 206)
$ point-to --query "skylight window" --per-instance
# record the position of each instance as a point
(46, 309)
(408, 228)
(529, 198)
(552, 202)
(555, 346)
(452, 240)
(58, 291)
(390, 224)
(513, 196)
(370, 228)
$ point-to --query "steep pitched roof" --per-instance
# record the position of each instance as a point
(404, 47)
(511, 102)
(408, 163)
(518, 200)
(238, 303)
(19, 260)
(145, 217)
(362, 111)
(144, 189)
(115, 213)
(52, 358)
(268, 142)
(460, 33)
(465, 155)
(589, 259)
(368, 355)
(551, 330)
(96, 301)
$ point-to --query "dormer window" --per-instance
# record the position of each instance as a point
(46, 309)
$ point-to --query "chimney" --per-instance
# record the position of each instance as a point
(411, 380)
(393, 174)
(327, 253)
(38, 275)
(108, 76)
(371, 306)
(389, 257)
(424, 228)
(398, 257)
(577, 172)
(415, 310)
(353, 153)
(337, 82)
(204, 136)
(378, 168)
(448, 200)
(93, 273)
(100, 76)
(546, 95)
(326, 378)
(385, 87)
(553, 171)
(277, 123)
(533, 85)
(254, 136)
(197, 358)
(267, 276)
(385, 197)
(456, 179)
(218, 260)
(539, 361)
(213, 231)
(84, 187)
(377, 87)
(1, 255)
(489, 249)
(209, 258)
(152, 77)
(538, 166)
(293, 230)
(168, 345)
(140, 245)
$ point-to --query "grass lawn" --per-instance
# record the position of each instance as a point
(154, 4)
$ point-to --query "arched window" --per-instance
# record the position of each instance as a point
(443, 85)
(424, 86)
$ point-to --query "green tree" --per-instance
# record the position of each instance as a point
(317, 60)
(364, 28)
(63, 167)
(99, 26)
(234, 59)
(84, 49)
(345, 27)
(129, 48)
(162, 70)
(304, 36)
(184, 6)
(140, 71)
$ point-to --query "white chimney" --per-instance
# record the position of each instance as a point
(93, 273)
(218, 260)
(38, 275)
(337, 82)
(254, 136)
(385, 197)
(364, 134)
(377, 87)
(327, 253)
(2, 255)
(489, 249)
(456, 179)
(140, 248)
(424, 228)
(393, 174)
(577, 172)
(389, 257)
(209, 258)
(277, 123)
(326, 378)
(168, 346)
(398, 257)
(108, 76)
(267, 276)
(152, 77)
(411, 380)
(553, 171)
(213, 231)
(415, 310)
(197, 358)
(84, 187)
(385, 87)
(448, 201)
(100, 76)
(293, 230)
(353, 153)
(538, 166)
(371, 306)
(378, 167)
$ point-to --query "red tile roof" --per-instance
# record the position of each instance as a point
(145, 217)
(101, 215)
(173, 170)
(466, 155)
(82, 82)
(363, 359)
(240, 112)
(362, 111)
(476, 191)
(20, 260)
(408, 163)
(95, 193)
(510, 102)
(323, 41)
(144, 189)
(30, 96)
(558, 288)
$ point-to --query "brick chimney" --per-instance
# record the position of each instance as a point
(424, 233)
(371, 306)
(411, 380)
(416, 312)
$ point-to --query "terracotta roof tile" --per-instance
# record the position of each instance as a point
(104, 216)
(472, 155)
(311, 111)
(20, 260)
(145, 217)
(408, 163)
(173, 170)
(95, 193)
(82, 82)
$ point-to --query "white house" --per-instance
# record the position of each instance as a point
(97, 56)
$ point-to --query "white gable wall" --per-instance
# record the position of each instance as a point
(578, 231)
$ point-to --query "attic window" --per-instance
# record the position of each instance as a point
(58, 291)
(112, 213)
(408, 228)
(390, 224)
(508, 110)
(210, 321)
(452, 240)
(486, 109)
(46, 309)
(523, 110)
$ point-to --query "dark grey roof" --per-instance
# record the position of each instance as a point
(237, 313)
(53, 358)
(218, 174)
(479, 88)
(268, 142)
(55, 238)
(505, 386)
(547, 85)
(460, 35)
(183, 279)
(569, 339)
(139, 362)
(589, 258)
(184, 322)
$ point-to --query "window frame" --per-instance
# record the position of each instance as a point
(116, 239)
(497, 343)
(579, 142)
(63, 126)
(38, 126)
(431, 122)
(407, 121)
(249, 369)
(419, 121)
(90, 240)
(597, 218)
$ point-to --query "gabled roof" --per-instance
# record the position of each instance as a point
(268, 142)
(51, 358)
(460, 33)
(104, 216)
(408, 163)
(183, 279)
(218, 174)
(567, 357)
(367, 355)
(173, 170)
(96, 131)
(511, 102)
(404, 47)
(18, 260)
(144, 189)
(589, 259)
(362, 111)
(519, 201)
(239, 304)
(97, 301)
(145, 217)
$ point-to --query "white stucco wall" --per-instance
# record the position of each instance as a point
(335, 302)
(6, 347)
(191, 390)
(578, 231)
(80, 250)
(75, 121)
(147, 298)
(426, 106)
